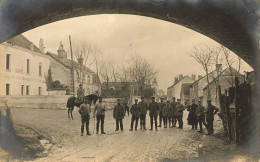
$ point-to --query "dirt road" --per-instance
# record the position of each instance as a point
(68, 145)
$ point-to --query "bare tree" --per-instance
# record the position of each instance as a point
(203, 55)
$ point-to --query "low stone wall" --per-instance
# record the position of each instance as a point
(49, 102)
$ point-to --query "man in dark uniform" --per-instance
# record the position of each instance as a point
(99, 112)
(135, 112)
(143, 112)
(174, 116)
(210, 111)
(167, 114)
(153, 112)
(200, 113)
(125, 104)
(192, 118)
(161, 106)
(179, 112)
(80, 93)
(118, 114)
(85, 111)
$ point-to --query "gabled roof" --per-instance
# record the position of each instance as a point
(178, 82)
(23, 42)
(222, 74)
(67, 63)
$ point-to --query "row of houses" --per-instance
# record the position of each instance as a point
(188, 88)
(24, 69)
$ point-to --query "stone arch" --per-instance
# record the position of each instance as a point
(231, 23)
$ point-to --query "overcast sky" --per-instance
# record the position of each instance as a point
(164, 44)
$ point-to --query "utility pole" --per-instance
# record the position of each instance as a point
(72, 68)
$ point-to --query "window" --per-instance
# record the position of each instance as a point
(27, 90)
(40, 69)
(28, 66)
(8, 61)
(40, 91)
(7, 90)
(22, 89)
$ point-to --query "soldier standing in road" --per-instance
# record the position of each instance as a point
(100, 115)
(161, 106)
(143, 112)
(153, 112)
(80, 93)
(174, 114)
(210, 111)
(85, 111)
(167, 113)
(192, 118)
(118, 114)
(179, 112)
(125, 104)
(200, 113)
(135, 112)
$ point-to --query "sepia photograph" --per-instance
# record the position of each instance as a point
(129, 80)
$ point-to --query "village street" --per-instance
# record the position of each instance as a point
(68, 145)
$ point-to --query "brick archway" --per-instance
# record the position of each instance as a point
(231, 23)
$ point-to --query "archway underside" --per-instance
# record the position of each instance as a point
(233, 24)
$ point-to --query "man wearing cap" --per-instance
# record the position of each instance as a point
(192, 118)
(210, 111)
(80, 93)
(179, 112)
(174, 116)
(135, 112)
(99, 112)
(143, 112)
(153, 112)
(161, 107)
(85, 111)
(118, 114)
(167, 114)
(200, 115)
(125, 104)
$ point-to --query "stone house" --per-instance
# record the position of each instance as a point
(175, 89)
(22, 68)
(61, 69)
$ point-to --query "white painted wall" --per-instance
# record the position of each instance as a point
(17, 75)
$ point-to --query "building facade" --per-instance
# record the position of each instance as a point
(23, 68)
(175, 89)
(61, 69)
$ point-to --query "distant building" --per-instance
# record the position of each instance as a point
(175, 89)
(22, 68)
(61, 68)
(185, 93)
(155, 85)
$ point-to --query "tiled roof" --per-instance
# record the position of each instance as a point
(23, 42)
(66, 62)
(178, 81)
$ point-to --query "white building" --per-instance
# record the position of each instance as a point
(22, 68)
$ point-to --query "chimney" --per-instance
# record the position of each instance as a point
(218, 68)
(31, 47)
(193, 77)
(176, 79)
(41, 46)
(61, 51)
(199, 76)
(180, 76)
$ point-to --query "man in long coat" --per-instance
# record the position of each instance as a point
(143, 111)
(153, 112)
(211, 110)
(179, 112)
(192, 118)
(167, 113)
(174, 114)
(135, 112)
(161, 107)
(118, 114)
(200, 113)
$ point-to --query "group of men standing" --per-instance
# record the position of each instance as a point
(169, 113)
(199, 115)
